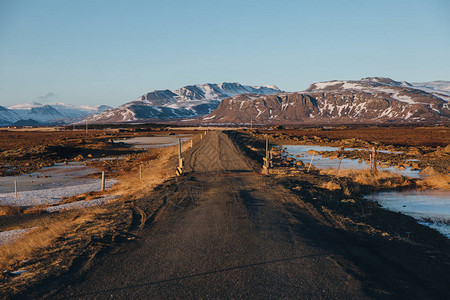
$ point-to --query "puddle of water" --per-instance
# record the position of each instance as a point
(347, 163)
(431, 208)
(148, 142)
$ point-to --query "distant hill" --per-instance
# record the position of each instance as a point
(29, 122)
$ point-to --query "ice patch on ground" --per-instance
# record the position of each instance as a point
(81, 204)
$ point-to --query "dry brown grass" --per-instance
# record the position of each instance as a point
(7, 210)
(332, 186)
(82, 197)
(437, 181)
(42, 236)
(367, 177)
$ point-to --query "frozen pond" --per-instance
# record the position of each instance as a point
(50, 185)
(347, 163)
(55, 176)
(148, 142)
(431, 208)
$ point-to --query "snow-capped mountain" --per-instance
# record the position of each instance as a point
(7, 116)
(186, 102)
(47, 113)
(369, 100)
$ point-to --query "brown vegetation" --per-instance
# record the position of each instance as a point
(41, 237)
(367, 177)
(8, 210)
(437, 181)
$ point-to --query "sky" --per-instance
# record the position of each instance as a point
(112, 52)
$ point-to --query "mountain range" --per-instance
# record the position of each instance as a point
(369, 100)
(56, 113)
(187, 102)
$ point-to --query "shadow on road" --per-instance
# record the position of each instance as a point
(143, 284)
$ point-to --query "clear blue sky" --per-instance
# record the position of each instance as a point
(111, 52)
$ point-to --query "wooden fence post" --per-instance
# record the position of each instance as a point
(15, 187)
(374, 159)
(311, 161)
(140, 173)
(103, 181)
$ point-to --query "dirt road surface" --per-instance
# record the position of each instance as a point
(229, 232)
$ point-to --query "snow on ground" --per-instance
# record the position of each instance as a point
(323, 85)
(8, 237)
(51, 196)
(81, 204)
(349, 85)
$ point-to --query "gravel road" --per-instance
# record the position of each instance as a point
(228, 232)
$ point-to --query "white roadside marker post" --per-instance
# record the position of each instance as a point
(15, 187)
